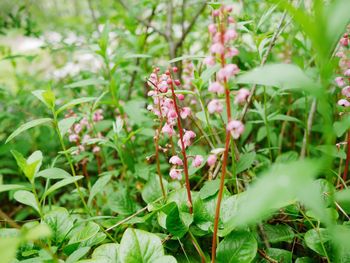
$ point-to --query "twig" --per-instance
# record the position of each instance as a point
(8, 219)
(127, 219)
(265, 256)
(308, 128)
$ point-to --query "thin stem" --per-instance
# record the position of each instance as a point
(267, 125)
(197, 247)
(156, 143)
(346, 169)
(183, 150)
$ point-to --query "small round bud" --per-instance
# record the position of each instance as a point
(167, 73)
(177, 82)
(169, 81)
(216, 13)
(175, 69)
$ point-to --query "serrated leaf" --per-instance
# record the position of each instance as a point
(27, 126)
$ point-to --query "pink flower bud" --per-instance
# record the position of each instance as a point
(96, 149)
(175, 174)
(216, 87)
(172, 115)
(216, 13)
(347, 72)
(169, 81)
(175, 160)
(211, 159)
(231, 52)
(175, 69)
(212, 28)
(346, 91)
(236, 128)
(217, 48)
(163, 86)
(242, 96)
(77, 128)
(73, 137)
(180, 96)
(230, 34)
(198, 160)
(228, 71)
(209, 61)
(343, 103)
(340, 81)
(185, 112)
(168, 129)
(344, 41)
(215, 106)
(177, 82)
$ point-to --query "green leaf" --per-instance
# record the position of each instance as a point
(37, 232)
(284, 76)
(165, 259)
(280, 255)
(245, 162)
(10, 187)
(278, 233)
(98, 186)
(316, 239)
(8, 248)
(152, 190)
(27, 198)
(31, 166)
(140, 246)
(53, 173)
(74, 102)
(340, 127)
(209, 72)
(86, 82)
(137, 56)
(281, 117)
(106, 253)
(209, 189)
(122, 203)
(46, 96)
(276, 188)
(65, 124)
(84, 233)
(177, 223)
(78, 254)
(27, 126)
(237, 247)
(186, 57)
(62, 183)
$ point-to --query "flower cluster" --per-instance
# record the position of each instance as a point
(223, 32)
(169, 112)
(343, 81)
(80, 133)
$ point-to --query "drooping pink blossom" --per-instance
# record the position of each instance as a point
(185, 112)
(340, 81)
(211, 159)
(215, 106)
(175, 174)
(346, 91)
(241, 96)
(216, 87)
(175, 160)
(168, 129)
(217, 48)
(343, 103)
(197, 161)
(236, 128)
(209, 61)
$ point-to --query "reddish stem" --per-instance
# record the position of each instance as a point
(156, 142)
(346, 169)
(225, 157)
(183, 150)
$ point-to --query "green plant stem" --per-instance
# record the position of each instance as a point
(197, 247)
(37, 199)
(156, 143)
(266, 121)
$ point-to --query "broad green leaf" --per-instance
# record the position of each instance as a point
(340, 127)
(106, 253)
(165, 259)
(27, 126)
(53, 173)
(10, 187)
(62, 183)
(65, 124)
(278, 233)
(177, 223)
(8, 248)
(318, 240)
(27, 198)
(121, 202)
(86, 82)
(78, 254)
(75, 102)
(209, 189)
(280, 255)
(341, 246)
(37, 232)
(98, 186)
(245, 161)
(304, 260)
(237, 247)
(84, 233)
(60, 223)
(276, 188)
(284, 76)
(152, 190)
(140, 246)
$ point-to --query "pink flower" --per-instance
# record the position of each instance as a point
(216, 13)
(187, 139)
(228, 71)
(73, 137)
(340, 54)
(215, 106)
(86, 138)
(344, 41)
(163, 86)
(343, 103)
(347, 72)
(185, 112)
(98, 115)
(340, 81)
(231, 52)
(180, 96)
(212, 28)
(230, 34)
(346, 91)
(209, 61)
(198, 160)
(236, 128)
(217, 48)
(211, 159)
(216, 87)
(84, 122)
(168, 129)
(242, 96)
(96, 149)
(77, 128)
(172, 115)
(175, 174)
(175, 160)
